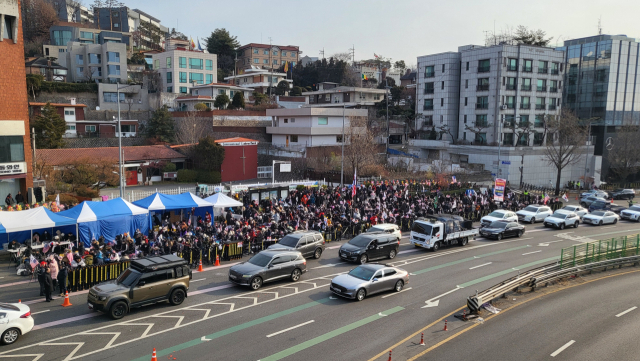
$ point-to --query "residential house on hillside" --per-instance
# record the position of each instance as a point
(332, 95)
(50, 70)
(207, 94)
(181, 68)
(105, 63)
(258, 79)
(266, 56)
(63, 33)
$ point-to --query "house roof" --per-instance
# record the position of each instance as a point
(220, 85)
(69, 105)
(195, 97)
(267, 46)
(42, 62)
(235, 140)
(409, 76)
(66, 156)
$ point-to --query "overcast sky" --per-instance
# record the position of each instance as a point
(400, 29)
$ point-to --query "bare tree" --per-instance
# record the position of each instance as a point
(362, 148)
(478, 128)
(563, 146)
(446, 129)
(95, 9)
(343, 56)
(191, 127)
(624, 157)
(521, 129)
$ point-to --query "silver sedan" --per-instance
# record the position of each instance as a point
(369, 279)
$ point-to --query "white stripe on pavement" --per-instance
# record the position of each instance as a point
(334, 247)
(66, 320)
(486, 264)
(409, 251)
(290, 328)
(210, 289)
(557, 352)
(396, 293)
(202, 279)
(35, 313)
(625, 312)
(524, 254)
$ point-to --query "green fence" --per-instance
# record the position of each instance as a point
(600, 251)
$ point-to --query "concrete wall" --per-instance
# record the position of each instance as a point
(101, 142)
(88, 99)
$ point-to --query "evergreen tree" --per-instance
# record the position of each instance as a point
(49, 127)
(224, 46)
(221, 101)
(282, 87)
(161, 126)
(238, 101)
(208, 155)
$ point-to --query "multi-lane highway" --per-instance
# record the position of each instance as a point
(296, 321)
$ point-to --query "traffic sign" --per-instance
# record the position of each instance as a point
(508, 162)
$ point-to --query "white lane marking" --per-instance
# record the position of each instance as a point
(56, 298)
(66, 320)
(35, 313)
(432, 302)
(1, 278)
(524, 254)
(202, 279)
(482, 265)
(210, 289)
(329, 265)
(625, 312)
(334, 247)
(14, 283)
(409, 251)
(204, 338)
(557, 352)
(396, 293)
(536, 230)
(290, 328)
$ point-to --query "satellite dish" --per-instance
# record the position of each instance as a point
(97, 108)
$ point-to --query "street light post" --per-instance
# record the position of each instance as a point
(120, 154)
(344, 109)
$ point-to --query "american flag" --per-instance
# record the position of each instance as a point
(546, 198)
(353, 187)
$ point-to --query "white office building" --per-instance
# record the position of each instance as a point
(182, 69)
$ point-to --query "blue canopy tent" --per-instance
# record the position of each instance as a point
(21, 225)
(107, 219)
(158, 202)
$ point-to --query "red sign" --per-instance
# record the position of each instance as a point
(498, 190)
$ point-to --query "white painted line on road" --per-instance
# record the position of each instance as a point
(625, 312)
(329, 265)
(536, 230)
(435, 300)
(396, 293)
(202, 279)
(35, 313)
(1, 278)
(210, 289)
(15, 283)
(290, 328)
(557, 352)
(334, 247)
(524, 254)
(66, 320)
(409, 251)
(482, 265)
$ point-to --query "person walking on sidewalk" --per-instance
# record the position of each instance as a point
(63, 273)
(48, 284)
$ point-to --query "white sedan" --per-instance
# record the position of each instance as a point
(580, 211)
(498, 215)
(600, 218)
(15, 320)
(561, 218)
(389, 228)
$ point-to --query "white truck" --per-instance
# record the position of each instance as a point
(440, 230)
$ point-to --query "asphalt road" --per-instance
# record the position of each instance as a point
(595, 321)
(291, 321)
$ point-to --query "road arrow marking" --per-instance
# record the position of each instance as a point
(482, 265)
(433, 302)
(524, 254)
(381, 314)
(204, 338)
(332, 298)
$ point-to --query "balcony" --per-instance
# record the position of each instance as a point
(428, 91)
(540, 107)
(525, 106)
(512, 68)
(527, 69)
(552, 107)
(511, 87)
(482, 106)
(427, 107)
(484, 69)
(482, 87)
(526, 88)
(555, 71)
(553, 89)
(543, 70)
(482, 124)
(509, 124)
(510, 105)
(541, 88)
(430, 74)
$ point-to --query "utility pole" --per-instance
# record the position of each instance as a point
(344, 109)
(353, 53)
(387, 93)
(33, 135)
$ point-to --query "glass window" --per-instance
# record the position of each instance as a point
(525, 102)
(156, 64)
(182, 62)
(169, 89)
(255, 51)
(195, 63)
(265, 52)
(542, 66)
(96, 71)
(183, 77)
(482, 103)
(70, 127)
(265, 61)
(114, 70)
(293, 53)
(481, 120)
(60, 37)
(111, 97)
(209, 78)
(484, 66)
(11, 149)
(90, 128)
(428, 104)
(512, 64)
(113, 56)
(169, 77)
(528, 65)
(183, 90)
(428, 88)
(209, 65)
(95, 58)
(323, 121)
(80, 71)
(196, 77)
(542, 85)
(507, 139)
(168, 62)
(79, 59)
(275, 52)
(128, 128)
(429, 71)
(526, 84)
(284, 53)
(555, 68)
(86, 35)
(275, 61)
(511, 83)
(294, 139)
(481, 138)
(256, 60)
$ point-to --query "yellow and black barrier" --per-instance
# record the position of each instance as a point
(86, 277)
(231, 251)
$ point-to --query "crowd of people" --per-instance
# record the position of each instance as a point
(336, 211)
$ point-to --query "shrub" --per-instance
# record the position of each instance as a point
(209, 177)
(187, 176)
(87, 192)
(58, 87)
(169, 167)
(64, 198)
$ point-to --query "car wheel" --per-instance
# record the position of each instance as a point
(295, 275)
(583, 205)
(615, 220)
(317, 253)
(177, 297)
(463, 241)
(532, 220)
(575, 225)
(363, 259)
(499, 237)
(399, 286)
(118, 310)
(10, 336)
(546, 225)
(436, 246)
(256, 283)
(600, 223)
(361, 294)
(561, 226)
(392, 254)
(520, 234)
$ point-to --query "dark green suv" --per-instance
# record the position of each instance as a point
(146, 281)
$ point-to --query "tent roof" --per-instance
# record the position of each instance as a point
(88, 211)
(220, 200)
(159, 201)
(36, 218)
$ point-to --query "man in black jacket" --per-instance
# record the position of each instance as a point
(19, 198)
(41, 270)
(48, 284)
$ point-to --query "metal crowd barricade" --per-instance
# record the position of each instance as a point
(231, 251)
(84, 278)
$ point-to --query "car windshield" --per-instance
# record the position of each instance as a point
(8, 307)
(598, 214)
(559, 215)
(363, 273)
(360, 241)
(598, 204)
(128, 278)
(421, 228)
(289, 241)
(260, 260)
(635, 208)
(569, 208)
(376, 229)
(618, 190)
(496, 214)
(531, 209)
(498, 224)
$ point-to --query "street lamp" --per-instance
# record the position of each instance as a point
(119, 133)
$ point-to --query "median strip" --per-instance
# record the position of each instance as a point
(467, 260)
(510, 270)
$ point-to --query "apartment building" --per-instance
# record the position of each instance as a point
(602, 82)
(258, 79)
(106, 63)
(73, 11)
(61, 35)
(266, 56)
(150, 33)
(182, 69)
(15, 145)
(206, 94)
(333, 95)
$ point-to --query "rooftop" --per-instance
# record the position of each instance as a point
(68, 105)
(236, 140)
(42, 62)
(343, 89)
(66, 156)
(267, 46)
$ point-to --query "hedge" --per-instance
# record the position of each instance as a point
(59, 87)
(200, 176)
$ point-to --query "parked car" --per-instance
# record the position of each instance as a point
(600, 206)
(366, 280)
(632, 213)
(580, 211)
(146, 281)
(622, 194)
(595, 193)
(370, 246)
(561, 219)
(533, 213)
(15, 320)
(498, 215)
(386, 228)
(268, 266)
(600, 218)
(309, 243)
(586, 202)
(500, 230)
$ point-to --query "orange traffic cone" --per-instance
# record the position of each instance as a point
(66, 302)
(217, 260)
(200, 266)
(390, 355)
(153, 355)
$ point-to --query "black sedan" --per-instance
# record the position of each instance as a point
(500, 230)
(622, 194)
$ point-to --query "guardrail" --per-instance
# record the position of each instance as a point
(600, 250)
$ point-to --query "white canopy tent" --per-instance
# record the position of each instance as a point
(220, 202)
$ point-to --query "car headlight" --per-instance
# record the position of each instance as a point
(102, 298)
(246, 276)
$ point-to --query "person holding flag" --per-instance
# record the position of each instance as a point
(565, 198)
(353, 186)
